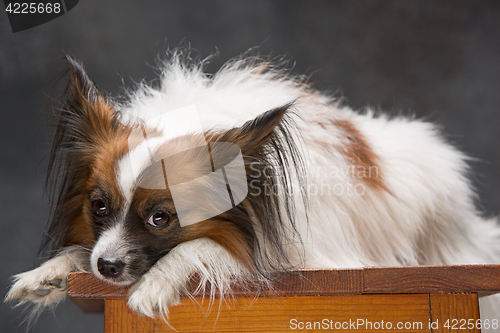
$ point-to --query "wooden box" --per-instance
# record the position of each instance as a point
(409, 299)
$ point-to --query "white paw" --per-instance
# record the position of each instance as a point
(152, 296)
(44, 285)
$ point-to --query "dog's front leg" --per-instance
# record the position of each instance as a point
(162, 285)
(47, 284)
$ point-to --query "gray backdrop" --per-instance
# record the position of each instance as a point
(438, 59)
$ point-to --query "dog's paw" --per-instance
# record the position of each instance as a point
(45, 285)
(152, 296)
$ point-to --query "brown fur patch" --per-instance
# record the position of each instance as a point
(226, 230)
(108, 144)
(365, 162)
(80, 233)
(88, 142)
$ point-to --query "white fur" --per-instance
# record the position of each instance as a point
(46, 285)
(130, 166)
(425, 175)
(427, 216)
(111, 246)
(161, 285)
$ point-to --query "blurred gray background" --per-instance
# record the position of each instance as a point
(436, 59)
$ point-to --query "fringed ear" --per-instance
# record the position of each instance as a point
(86, 113)
(257, 132)
(86, 121)
(81, 91)
(272, 158)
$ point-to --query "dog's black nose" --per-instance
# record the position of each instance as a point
(111, 269)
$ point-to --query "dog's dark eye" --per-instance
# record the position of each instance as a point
(159, 219)
(99, 207)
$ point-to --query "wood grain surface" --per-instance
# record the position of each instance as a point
(301, 313)
(409, 299)
(481, 279)
(118, 318)
(455, 312)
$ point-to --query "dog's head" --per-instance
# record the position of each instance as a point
(118, 195)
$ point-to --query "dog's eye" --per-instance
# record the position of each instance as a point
(159, 219)
(99, 207)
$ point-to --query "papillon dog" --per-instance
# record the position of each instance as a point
(238, 175)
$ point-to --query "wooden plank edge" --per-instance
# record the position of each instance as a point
(482, 279)
(340, 281)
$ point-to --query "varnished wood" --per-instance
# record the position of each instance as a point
(428, 279)
(88, 292)
(460, 312)
(118, 318)
(266, 314)
(482, 279)
(415, 295)
(86, 285)
(321, 281)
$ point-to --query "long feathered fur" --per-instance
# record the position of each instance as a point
(328, 187)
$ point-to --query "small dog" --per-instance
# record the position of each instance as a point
(241, 174)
